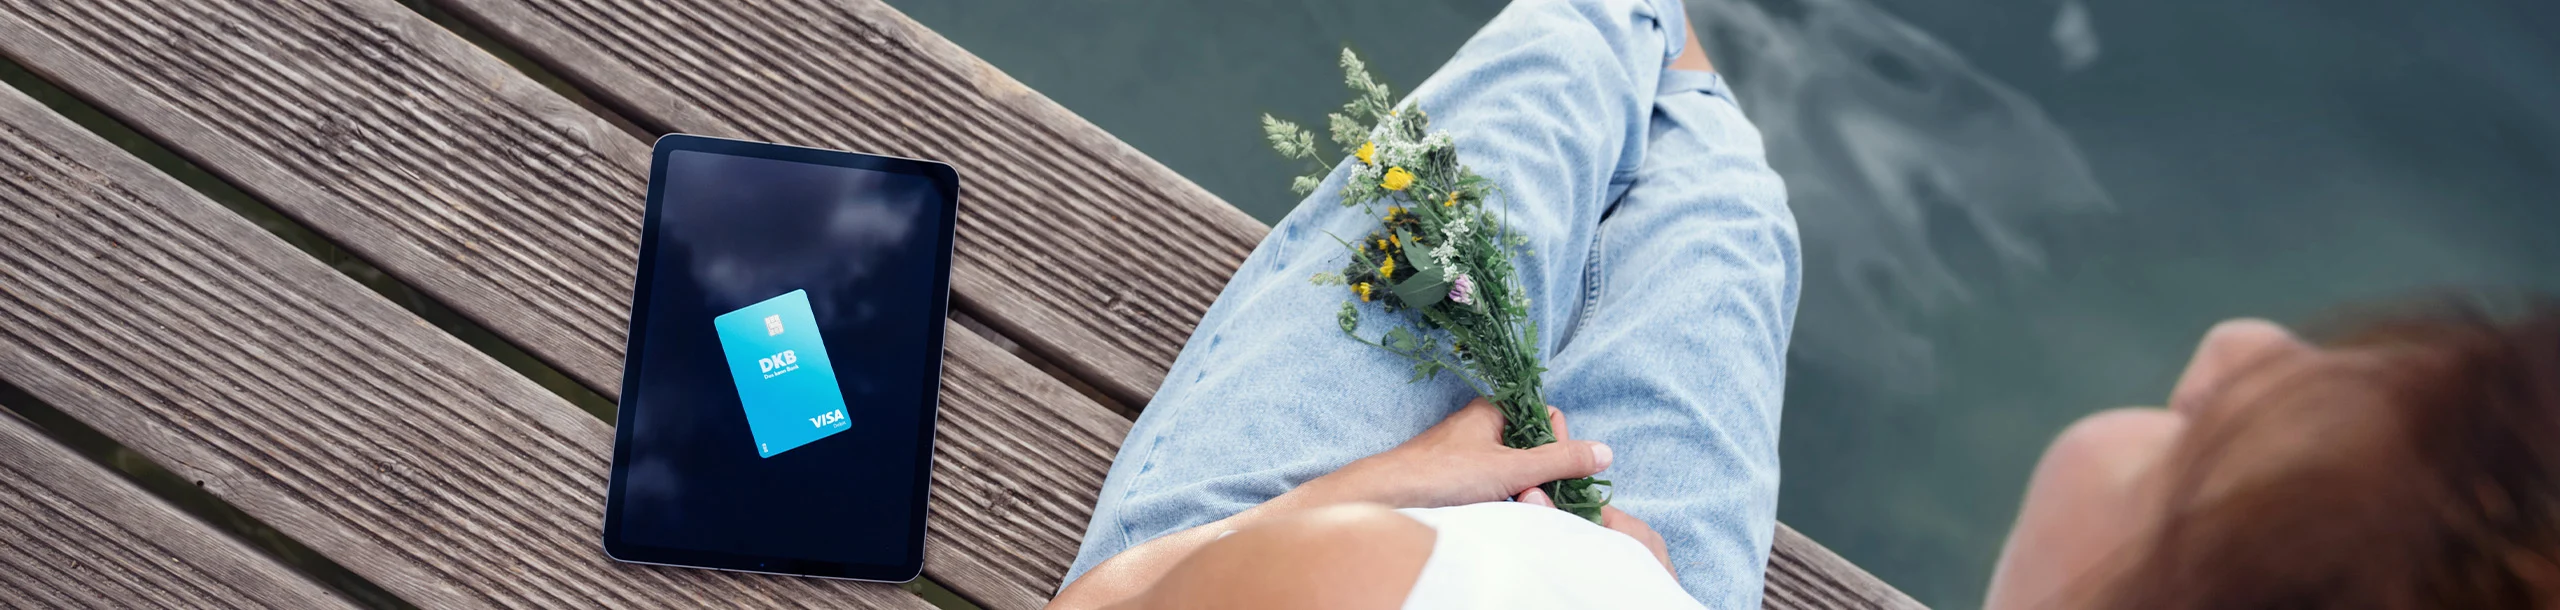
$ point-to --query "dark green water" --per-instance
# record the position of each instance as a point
(2014, 213)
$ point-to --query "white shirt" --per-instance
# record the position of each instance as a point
(1513, 555)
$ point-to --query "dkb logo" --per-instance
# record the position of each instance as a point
(779, 363)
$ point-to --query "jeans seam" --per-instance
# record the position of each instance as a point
(1593, 275)
(1146, 467)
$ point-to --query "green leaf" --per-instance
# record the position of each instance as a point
(1424, 370)
(1400, 340)
(1423, 289)
(1419, 256)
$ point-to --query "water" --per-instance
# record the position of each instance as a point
(2014, 213)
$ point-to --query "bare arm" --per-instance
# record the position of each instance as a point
(1126, 576)
(1459, 461)
(1347, 556)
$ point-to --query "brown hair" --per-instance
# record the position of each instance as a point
(2424, 473)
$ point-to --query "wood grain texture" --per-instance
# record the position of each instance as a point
(490, 193)
(74, 535)
(179, 329)
(1017, 466)
(396, 139)
(1804, 576)
(1073, 243)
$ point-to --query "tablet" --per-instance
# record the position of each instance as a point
(784, 361)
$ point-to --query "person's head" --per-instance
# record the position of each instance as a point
(2412, 464)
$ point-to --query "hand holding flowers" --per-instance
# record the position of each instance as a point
(1460, 461)
(1439, 258)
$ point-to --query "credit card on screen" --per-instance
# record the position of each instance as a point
(784, 380)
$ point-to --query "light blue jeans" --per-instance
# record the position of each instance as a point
(1663, 267)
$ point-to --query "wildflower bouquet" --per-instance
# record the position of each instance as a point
(1439, 257)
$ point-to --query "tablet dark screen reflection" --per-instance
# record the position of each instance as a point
(734, 231)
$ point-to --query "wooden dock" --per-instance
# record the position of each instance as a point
(177, 327)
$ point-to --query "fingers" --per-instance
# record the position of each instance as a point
(1536, 497)
(1624, 523)
(1478, 418)
(1558, 461)
(1615, 519)
(1482, 418)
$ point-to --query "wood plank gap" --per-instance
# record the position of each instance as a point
(424, 407)
(1033, 358)
(188, 497)
(856, 74)
(239, 524)
(345, 261)
(534, 69)
(266, 98)
(650, 130)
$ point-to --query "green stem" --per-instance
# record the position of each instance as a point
(1526, 426)
(1452, 367)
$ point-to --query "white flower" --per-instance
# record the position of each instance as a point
(1446, 254)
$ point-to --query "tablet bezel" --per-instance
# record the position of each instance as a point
(947, 183)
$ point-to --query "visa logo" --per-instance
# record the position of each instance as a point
(830, 417)
(777, 364)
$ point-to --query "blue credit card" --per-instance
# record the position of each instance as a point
(784, 379)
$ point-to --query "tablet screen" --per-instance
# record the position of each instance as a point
(780, 395)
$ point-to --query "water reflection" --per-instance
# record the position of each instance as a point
(1891, 142)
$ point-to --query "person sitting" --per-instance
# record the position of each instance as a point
(1281, 463)
(2409, 465)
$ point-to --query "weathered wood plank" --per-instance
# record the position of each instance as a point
(1085, 249)
(1017, 467)
(487, 191)
(399, 141)
(1072, 243)
(1803, 575)
(181, 330)
(73, 534)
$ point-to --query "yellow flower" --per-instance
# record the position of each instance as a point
(1392, 211)
(1382, 245)
(1398, 239)
(1388, 270)
(1453, 200)
(1368, 153)
(1396, 179)
(1363, 289)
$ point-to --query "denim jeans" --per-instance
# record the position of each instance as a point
(1662, 268)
